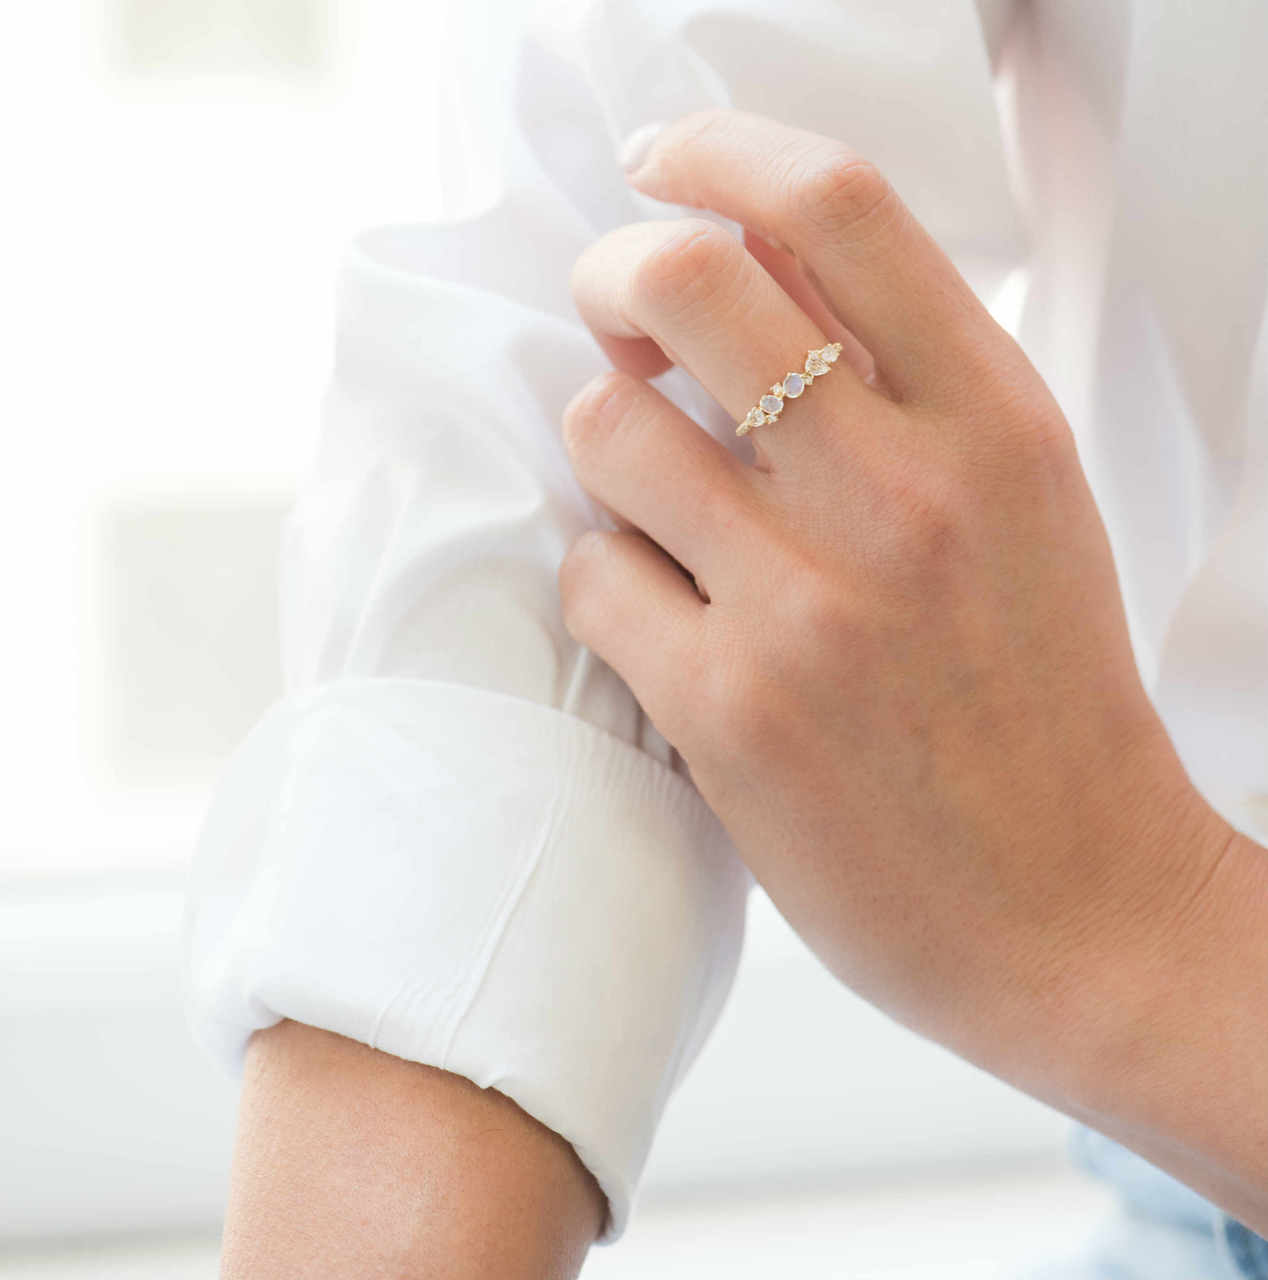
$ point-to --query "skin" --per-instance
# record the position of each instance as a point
(355, 1165)
(893, 652)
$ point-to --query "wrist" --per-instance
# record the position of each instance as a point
(1161, 963)
(1131, 918)
(1155, 1029)
(1179, 1073)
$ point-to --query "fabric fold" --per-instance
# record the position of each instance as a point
(476, 882)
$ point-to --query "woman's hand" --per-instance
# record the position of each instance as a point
(901, 676)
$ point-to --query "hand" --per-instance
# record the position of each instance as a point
(891, 650)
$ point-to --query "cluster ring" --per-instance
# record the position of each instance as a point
(819, 360)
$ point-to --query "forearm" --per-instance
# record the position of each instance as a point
(1185, 1082)
(358, 1164)
(1158, 1034)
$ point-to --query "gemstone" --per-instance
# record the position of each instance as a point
(831, 351)
(755, 418)
(771, 404)
(815, 363)
(794, 385)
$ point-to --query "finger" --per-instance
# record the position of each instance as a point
(639, 357)
(692, 287)
(875, 265)
(649, 463)
(785, 270)
(623, 597)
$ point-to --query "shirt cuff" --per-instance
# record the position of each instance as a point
(477, 882)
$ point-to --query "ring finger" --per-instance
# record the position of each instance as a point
(697, 292)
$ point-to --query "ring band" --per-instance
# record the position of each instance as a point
(819, 360)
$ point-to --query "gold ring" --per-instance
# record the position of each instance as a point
(819, 360)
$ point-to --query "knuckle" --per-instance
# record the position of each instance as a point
(1037, 468)
(736, 704)
(597, 411)
(809, 604)
(1031, 419)
(1016, 431)
(696, 126)
(1013, 427)
(688, 269)
(727, 507)
(1025, 451)
(843, 197)
(993, 377)
(931, 523)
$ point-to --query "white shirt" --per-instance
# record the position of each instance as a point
(458, 838)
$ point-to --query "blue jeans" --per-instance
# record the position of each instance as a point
(1163, 1230)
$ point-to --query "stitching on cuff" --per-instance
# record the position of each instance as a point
(564, 780)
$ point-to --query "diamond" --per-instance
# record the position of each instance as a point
(830, 352)
(815, 363)
(771, 404)
(794, 385)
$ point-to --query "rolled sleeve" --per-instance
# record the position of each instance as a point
(477, 882)
(457, 837)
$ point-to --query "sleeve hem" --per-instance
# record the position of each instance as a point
(474, 881)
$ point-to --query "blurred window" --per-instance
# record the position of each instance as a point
(183, 37)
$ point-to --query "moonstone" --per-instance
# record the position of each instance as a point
(794, 385)
(771, 404)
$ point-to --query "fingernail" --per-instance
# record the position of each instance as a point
(634, 149)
